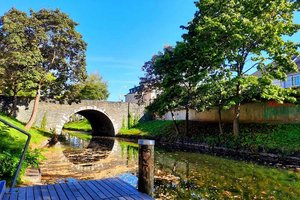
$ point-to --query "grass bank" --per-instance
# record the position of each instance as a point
(11, 145)
(82, 125)
(271, 138)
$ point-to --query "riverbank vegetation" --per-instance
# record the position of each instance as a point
(281, 139)
(11, 146)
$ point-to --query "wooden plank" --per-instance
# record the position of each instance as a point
(75, 191)
(22, 194)
(6, 196)
(127, 186)
(137, 194)
(29, 193)
(112, 185)
(95, 189)
(82, 191)
(107, 188)
(61, 194)
(136, 197)
(45, 192)
(37, 193)
(67, 191)
(89, 190)
(52, 192)
(102, 189)
(120, 186)
(2, 188)
(127, 198)
(14, 194)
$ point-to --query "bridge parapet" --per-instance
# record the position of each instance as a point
(53, 115)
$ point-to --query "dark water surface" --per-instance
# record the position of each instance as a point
(178, 174)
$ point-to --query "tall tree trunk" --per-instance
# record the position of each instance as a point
(14, 106)
(237, 109)
(13, 110)
(175, 123)
(187, 121)
(220, 121)
(34, 110)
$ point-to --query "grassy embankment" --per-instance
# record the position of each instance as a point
(275, 138)
(82, 125)
(11, 145)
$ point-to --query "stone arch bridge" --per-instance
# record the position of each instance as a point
(106, 118)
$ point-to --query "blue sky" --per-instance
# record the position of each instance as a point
(121, 34)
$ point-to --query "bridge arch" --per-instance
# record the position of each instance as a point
(102, 124)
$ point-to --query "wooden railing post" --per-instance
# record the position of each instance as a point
(146, 166)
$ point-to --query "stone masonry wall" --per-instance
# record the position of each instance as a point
(56, 114)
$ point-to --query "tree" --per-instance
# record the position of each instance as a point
(177, 76)
(94, 88)
(63, 56)
(18, 54)
(241, 35)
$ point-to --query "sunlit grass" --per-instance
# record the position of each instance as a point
(82, 125)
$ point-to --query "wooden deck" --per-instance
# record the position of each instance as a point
(111, 188)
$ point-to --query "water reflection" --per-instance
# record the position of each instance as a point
(178, 175)
(97, 158)
(88, 152)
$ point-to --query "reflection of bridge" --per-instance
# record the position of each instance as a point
(106, 118)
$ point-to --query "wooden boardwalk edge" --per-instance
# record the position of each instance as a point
(2, 188)
(110, 188)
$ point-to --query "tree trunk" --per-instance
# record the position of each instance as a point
(34, 110)
(236, 120)
(237, 109)
(14, 106)
(220, 121)
(175, 123)
(13, 110)
(186, 121)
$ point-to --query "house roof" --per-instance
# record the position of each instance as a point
(296, 59)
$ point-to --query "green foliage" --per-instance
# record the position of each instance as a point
(132, 120)
(151, 129)
(282, 138)
(44, 122)
(247, 35)
(42, 53)
(11, 145)
(94, 88)
(124, 124)
(224, 41)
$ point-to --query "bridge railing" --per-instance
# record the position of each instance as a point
(23, 153)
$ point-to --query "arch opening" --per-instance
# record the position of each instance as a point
(100, 122)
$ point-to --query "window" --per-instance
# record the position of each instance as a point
(296, 80)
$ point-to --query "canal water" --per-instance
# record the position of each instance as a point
(178, 174)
